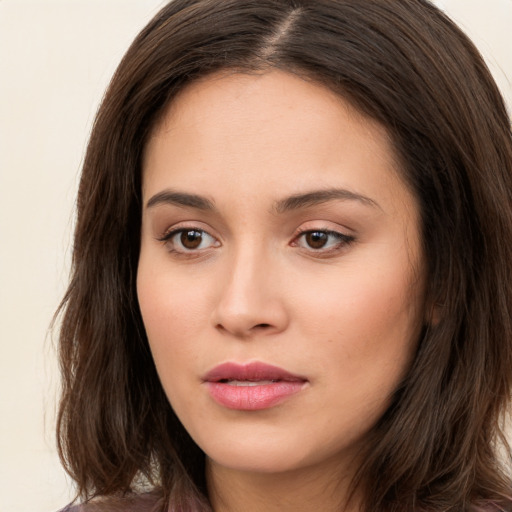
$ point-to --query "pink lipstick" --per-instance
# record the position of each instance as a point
(251, 387)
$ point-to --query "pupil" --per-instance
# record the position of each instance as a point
(191, 239)
(316, 239)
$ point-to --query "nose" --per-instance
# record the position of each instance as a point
(250, 297)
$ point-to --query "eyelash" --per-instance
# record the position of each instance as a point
(342, 241)
(167, 240)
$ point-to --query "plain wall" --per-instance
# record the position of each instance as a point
(56, 58)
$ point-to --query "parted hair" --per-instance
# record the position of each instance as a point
(441, 445)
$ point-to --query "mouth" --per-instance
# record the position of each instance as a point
(251, 387)
(247, 382)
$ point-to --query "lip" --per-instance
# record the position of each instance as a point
(252, 386)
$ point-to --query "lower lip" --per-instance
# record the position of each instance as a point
(253, 398)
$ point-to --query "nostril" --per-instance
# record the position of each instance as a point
(261, 326)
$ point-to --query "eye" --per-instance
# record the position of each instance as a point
(322, 240)
(185, 240)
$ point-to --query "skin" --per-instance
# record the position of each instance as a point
(346, 316)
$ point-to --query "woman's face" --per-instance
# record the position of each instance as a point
(280, 277)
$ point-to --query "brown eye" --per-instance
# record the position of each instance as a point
(191, 239)
(188, 241)
(323, 241)
(316, 239)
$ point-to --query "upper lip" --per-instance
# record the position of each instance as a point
(254, 371)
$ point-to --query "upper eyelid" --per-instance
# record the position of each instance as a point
(331, 232)
(342, 231)
(323, 229)
(176, 228)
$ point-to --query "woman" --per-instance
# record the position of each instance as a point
(291, 281)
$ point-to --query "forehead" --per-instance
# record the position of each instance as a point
(266, 97)
(272, 127)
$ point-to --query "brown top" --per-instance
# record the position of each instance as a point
(149, 502)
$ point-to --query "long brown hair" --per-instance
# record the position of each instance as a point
(401, 62)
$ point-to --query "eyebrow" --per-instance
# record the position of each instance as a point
(316, 197)
(180, 199)
(294, 202)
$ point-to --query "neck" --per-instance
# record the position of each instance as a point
(304, 490)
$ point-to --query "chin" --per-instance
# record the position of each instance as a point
(270, 453)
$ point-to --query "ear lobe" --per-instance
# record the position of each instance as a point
(433, 314)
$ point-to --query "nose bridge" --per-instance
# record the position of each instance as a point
(248, 298)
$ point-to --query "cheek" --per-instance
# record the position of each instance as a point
(363, 302)
(172, 311)
(367, 321)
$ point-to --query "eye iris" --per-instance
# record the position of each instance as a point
(316, 239)
(191, 239)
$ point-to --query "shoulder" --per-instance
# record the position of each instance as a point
(150, 502)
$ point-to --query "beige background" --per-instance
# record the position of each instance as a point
(56, 58)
